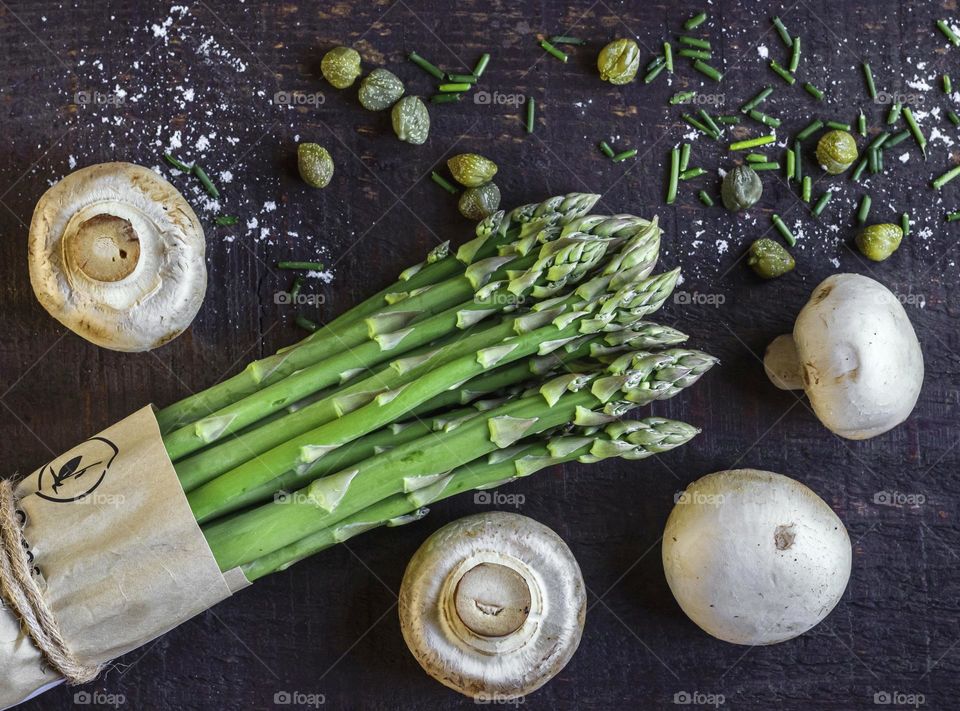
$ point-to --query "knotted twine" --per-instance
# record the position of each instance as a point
(22, 593)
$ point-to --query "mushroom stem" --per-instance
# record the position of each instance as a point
(492, 600)
(782, 364)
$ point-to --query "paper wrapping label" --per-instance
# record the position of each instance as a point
(121, 557)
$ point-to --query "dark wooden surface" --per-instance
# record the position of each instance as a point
(204, 75)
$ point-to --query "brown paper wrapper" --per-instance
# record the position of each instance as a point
(120, 557)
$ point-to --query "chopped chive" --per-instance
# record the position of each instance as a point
(226, 220)
(871, 87)
(878, 141)
(873, 158)
(456, 86)
(896, 139)
(838, 125)
(694, 42)
(481, 65)
(606, 149)
(531, 113)
(707, 70)
(862, 124)
(811, 129)
(205, 181)
(864, 212)
(623, 155)
(443, 182)
(760, 97)
(308, 266)
(654, 73)
(783, 230)
(915, 130)
(948, 33)
(446, 98)
(765, 166)
(566, 39)
(795, 55)
(689, 53)
(764, 119)
(655, 62)
(295, 288)
(684, 156)
(306, 324)
(705, 198)
(708, 120)
(753, 142)
(784, 74)
(179, 165)
(791, 164)
(822, 202)
(425, 65)
(947, 84)
(728, 119)
(905, 223)
(682, 97)
(953, 216)
(807, 189)
(462, 78)
(946, 177)
(879, 161)
(813, 91)
(674, 175)
(668, 56)
(692, 173)
(954, 119)
(699, 126)
(695, 21)
(550, 49)
(858, 171)
(894, 114)
(756, 158)
(797, 160)
(782, 31)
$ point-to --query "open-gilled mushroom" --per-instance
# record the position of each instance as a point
(493, 605)
(117, 256)
(855, 353)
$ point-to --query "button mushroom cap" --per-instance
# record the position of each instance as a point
(117, 256)
(856, 354)
(493, 605)
(755, 557)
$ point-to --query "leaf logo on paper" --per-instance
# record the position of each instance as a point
(77, 473)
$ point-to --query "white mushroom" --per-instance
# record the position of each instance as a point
(755, 557)
(493, 605)
(855, 353)
(117, 256)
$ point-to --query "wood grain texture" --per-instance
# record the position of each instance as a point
(204, 75)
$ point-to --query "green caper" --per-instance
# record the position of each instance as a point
(471, 169)
(836, 151)
(770, 259)
(315, 164)
(741, 188)
(341, 66)
(380, 90)
(877, 242)
(480, 202)
(619, 61)
(411, 120)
